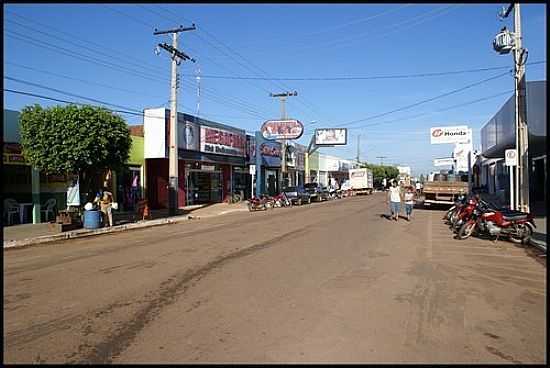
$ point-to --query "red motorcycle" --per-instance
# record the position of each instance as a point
(462, 213)
(515, 225)
(260, 203)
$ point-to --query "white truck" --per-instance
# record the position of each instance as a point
(361, 181)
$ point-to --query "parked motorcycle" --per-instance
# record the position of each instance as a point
(281, 200)
(260, 203)
(459, 203)
(515, 225)
(462, 214)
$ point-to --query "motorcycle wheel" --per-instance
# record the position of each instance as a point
(525, 233)
(250, 207)
(466, 230)
(299, 201)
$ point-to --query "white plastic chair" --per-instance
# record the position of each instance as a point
(11, 207)
(49, 207)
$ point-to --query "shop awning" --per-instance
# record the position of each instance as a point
(210, 158)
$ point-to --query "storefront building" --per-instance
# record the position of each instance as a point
(32, 190)
(268, 165)
(211, 163)
(499, 134)
(295, 164)
(314, 167)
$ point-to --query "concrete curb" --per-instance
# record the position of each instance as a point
(81, 233)
(538, 244)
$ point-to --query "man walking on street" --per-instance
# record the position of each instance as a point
(394, 199)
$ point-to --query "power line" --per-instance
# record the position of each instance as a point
(240, 56)
(426, 100)
(431, 113)
(89, 59)
(397, 76)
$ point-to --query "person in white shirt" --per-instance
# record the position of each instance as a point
(418, 187)
(409, 202)
(394, 199)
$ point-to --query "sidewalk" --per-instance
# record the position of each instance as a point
(28, 234)
(539, 236)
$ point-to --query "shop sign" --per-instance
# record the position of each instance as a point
(282, 129)
(511, 157)
(250, 149)
(208, 167)
(448, 161)
(252, 169)
(14, 159)
(331, 137)
(271, 153)
(188, 135)
(222, 142)
(453, 134)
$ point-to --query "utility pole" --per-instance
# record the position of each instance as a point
(282, 97)
(522, 136)
(177, 56)
(381, 159)
(358, 143)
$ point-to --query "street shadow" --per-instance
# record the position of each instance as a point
(387, 217)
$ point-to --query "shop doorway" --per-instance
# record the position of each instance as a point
(271, 182)
(204, 187)
(539, 179)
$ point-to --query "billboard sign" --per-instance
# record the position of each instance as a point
(331, 137)
(282, 129)
(222, 142)
(454, 134)
(448, 161)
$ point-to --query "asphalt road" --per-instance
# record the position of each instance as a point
(329, 282)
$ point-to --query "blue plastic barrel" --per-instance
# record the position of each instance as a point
(92, 219)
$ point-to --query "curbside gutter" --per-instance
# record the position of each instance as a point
(92, 232)
(81, 233)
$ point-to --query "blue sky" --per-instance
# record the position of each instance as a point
(113, 61)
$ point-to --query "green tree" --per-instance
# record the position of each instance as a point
(70, 139)
(382, 171)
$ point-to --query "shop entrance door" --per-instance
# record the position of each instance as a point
(204, 187)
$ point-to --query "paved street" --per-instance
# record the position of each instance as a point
(329, 282)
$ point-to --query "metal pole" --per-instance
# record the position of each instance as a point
(173, 150)
(521, 132)
(512, 204)
(283, 147)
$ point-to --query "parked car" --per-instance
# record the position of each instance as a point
(316, 192)
(325, 194)
(297, 195)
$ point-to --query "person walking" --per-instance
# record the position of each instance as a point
(394, 199)
(409, 202)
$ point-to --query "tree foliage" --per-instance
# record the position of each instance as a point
(382, 171)
(73, 139)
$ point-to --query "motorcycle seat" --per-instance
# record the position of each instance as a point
(513, 217)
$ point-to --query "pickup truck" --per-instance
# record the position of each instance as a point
(445, 189)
